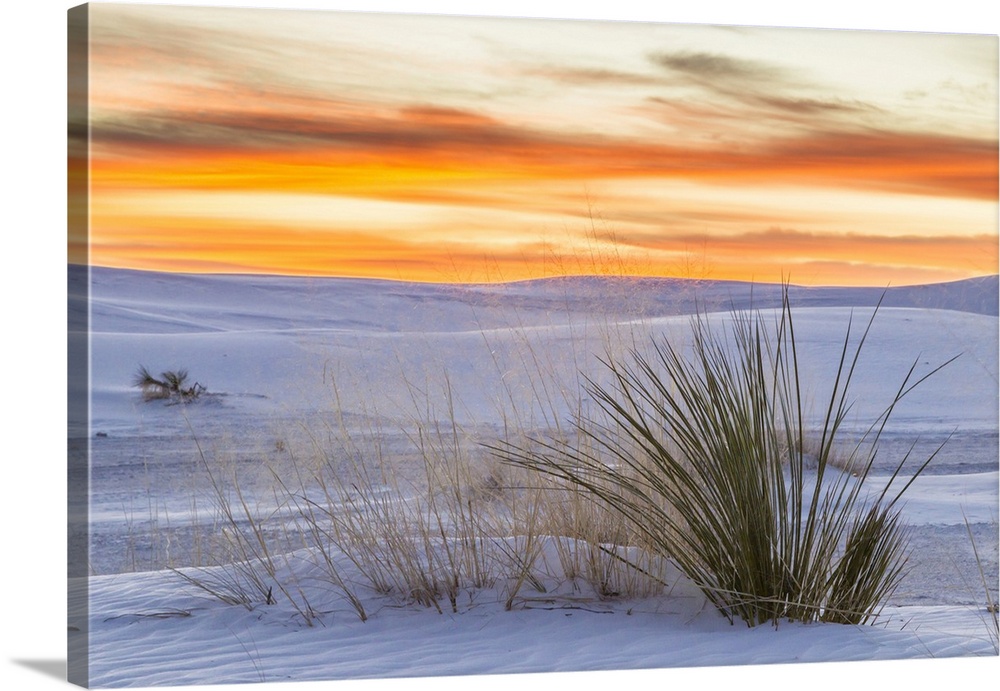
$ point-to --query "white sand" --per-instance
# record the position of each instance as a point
(270, 344)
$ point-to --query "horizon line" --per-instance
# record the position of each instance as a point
(621, 276)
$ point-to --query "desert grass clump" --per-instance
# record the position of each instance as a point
(248, 567)
(594, 546)
(410, 510)
(701, 452)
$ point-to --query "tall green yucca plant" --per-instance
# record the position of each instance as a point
(703, 455)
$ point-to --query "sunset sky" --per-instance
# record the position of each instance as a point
(470, 149)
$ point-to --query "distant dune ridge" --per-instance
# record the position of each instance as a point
(217, 302)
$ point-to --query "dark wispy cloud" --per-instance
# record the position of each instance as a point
(751, 92)
(749, 116)
(813, 106)
(324, 124)
(714, 72)
(718, 69)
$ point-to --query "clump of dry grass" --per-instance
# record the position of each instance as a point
(251, 547)
(435, 522)
(596, 547)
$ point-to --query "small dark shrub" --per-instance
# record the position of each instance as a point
(172, 384)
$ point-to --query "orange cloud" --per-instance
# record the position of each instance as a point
(375, 154)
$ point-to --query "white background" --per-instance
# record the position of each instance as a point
(33, 353)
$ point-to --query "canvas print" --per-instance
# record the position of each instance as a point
(412, 346)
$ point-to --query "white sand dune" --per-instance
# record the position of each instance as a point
(271, 352)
